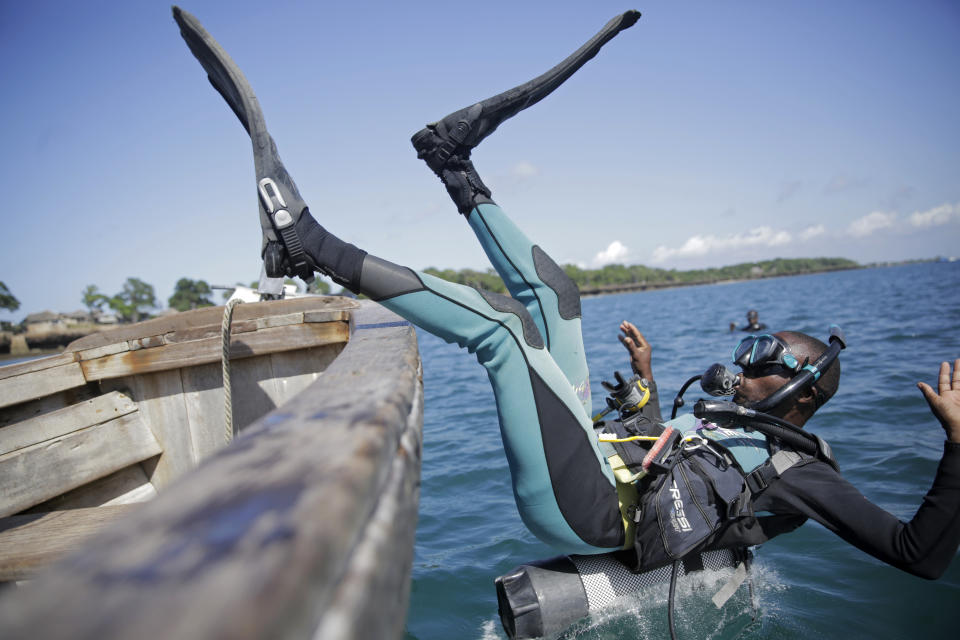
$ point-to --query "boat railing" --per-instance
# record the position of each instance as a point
(302, 527)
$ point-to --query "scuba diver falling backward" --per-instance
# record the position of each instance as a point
(577, 492)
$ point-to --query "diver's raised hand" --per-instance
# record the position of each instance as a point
(638, 348)
(945, 405)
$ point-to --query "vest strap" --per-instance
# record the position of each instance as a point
(761, 477)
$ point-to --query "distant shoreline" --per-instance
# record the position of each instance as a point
(603, 290)
(16, 345)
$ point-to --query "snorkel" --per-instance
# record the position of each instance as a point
(808, 375)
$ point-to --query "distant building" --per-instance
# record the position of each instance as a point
(77, 317)
(43, 321)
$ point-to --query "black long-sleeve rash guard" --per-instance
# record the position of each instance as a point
(924, 546)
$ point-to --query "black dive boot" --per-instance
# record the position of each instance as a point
(288, 228)
(446, 145)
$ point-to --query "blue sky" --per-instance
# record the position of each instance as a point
(710, 133)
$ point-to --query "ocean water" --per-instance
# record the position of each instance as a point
(900, 323)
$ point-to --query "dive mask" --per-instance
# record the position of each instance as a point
(757, 354)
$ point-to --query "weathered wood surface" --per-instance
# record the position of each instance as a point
(45, 405)
(39, 383)
(160, 398)
(29, 542)
(127, 486)
(260, 385)
(42, 471)
(205, 323)
(39, 364)
(182, 340)
(206, 350)
(292, 373)
(303, 526)
(64, 421)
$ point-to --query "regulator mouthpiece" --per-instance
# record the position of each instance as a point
(719, 381)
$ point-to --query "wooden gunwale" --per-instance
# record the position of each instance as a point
(303, 526)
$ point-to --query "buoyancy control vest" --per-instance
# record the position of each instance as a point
(693, 488)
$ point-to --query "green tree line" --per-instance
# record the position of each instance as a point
(136, 299)
(638, 274)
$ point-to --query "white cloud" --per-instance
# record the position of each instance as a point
(812, 232)
(615, 252)
(524, 170)
(935, 217)
(700, 245)
(870, 223)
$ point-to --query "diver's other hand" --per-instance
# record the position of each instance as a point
(638, 348)
(946, 405)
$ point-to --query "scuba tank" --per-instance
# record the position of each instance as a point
(544, 597)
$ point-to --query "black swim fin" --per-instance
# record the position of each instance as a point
(446, 145)
(280, 203)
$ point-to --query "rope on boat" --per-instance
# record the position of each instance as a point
(228, 428)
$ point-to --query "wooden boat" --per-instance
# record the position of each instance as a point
(327, 396)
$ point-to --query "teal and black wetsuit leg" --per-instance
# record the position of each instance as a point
(563, 487)
(538, 282)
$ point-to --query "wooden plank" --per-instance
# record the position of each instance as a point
(30, 542)
(10, 370)
(211, 317)
(280, 321)
(257, 389)
(254, 390)
(203, 400)
(373, 594)
(160, 399)
(208, 350)
(45, 405)
(127, 486)
(106, 350)
(32, 475)
(290, 372)
(275, 534)
(326, 315)
(189, 334)
(297, 370)
(64, 421)
(36, 384)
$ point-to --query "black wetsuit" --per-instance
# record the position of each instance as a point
(756, 326)
(924, 547)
